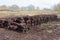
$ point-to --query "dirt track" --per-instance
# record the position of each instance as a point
(44, 32)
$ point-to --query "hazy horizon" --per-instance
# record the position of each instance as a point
(40, 3)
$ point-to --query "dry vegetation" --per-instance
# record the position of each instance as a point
(19, 13)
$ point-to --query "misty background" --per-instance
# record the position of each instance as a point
(13, 5)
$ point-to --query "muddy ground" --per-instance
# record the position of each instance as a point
(45, 31)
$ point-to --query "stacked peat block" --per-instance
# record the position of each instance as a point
(23, 23)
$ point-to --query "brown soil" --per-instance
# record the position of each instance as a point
(43, 32)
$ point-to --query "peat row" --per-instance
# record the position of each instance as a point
(23, 23)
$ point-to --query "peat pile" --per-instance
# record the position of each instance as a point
(24, 23)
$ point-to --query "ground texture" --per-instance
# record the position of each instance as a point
(46, 31)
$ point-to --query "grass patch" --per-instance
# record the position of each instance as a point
(49, 31)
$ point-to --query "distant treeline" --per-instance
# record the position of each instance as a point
(29, 7)
(15, 7)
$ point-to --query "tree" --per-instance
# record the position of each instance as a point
(14, 7)
(3, 6)
(30, 7)
(57, 8)
(23, 8)
(46, 9)
(37, 8)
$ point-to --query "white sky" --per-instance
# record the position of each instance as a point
(40, 3)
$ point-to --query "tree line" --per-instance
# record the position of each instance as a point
(31, 7)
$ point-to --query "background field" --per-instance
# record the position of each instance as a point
(19, 13)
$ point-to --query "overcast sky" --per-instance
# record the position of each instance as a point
(39, 3)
